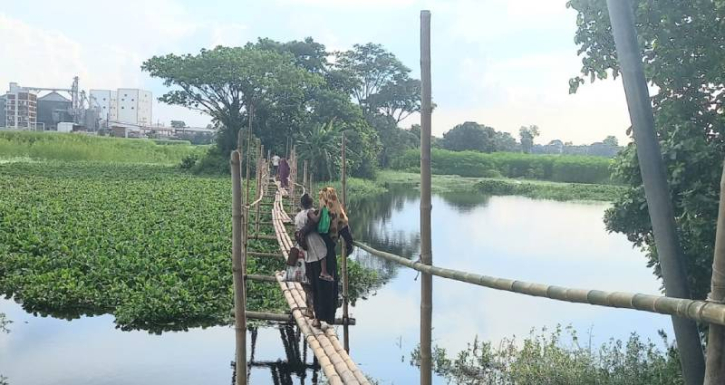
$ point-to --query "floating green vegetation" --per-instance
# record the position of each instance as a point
(149, 244)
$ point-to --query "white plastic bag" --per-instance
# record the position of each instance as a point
(297, 272)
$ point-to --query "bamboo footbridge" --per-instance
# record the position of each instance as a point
(333, 356)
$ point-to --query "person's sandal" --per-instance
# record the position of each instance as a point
(316, 324)
(327, 278)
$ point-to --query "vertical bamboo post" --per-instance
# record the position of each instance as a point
(654, 180)
(240, 318)
(715, 368)
(260, 174)
(249, 152)
(304, 177)
(345, 283)
(426, 254)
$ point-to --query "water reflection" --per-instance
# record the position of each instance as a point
(283, 372)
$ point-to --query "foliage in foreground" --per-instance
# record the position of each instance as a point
(557, 357)
(79, 147)
(683, 49)
(557, 168)
(149, 244)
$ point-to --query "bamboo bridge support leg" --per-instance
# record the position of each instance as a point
(304, 177)
(259, 191)
(345, 285)
(426, 255)
(654, 180)
(715, 366)
(240, 319)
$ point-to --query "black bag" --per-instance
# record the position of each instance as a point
(293, 256)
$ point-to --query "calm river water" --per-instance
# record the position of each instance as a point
(542, 241)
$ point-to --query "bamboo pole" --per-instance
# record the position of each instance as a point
(654, 180)
(249, 152)
(715, 366)
(262, 254)
(426, 254)
(240, 324)
(285, 317)
(702, 311)
(345, 283)
(304, 177)
(260, 163)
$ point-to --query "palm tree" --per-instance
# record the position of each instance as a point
(320, 146)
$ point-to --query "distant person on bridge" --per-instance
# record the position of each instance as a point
(284, 171)
(275, 164)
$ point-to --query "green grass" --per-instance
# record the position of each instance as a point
(501, 186)
(79, 147)
(556, 168)
(147, 243)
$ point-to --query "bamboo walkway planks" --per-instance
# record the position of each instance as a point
(337, 365)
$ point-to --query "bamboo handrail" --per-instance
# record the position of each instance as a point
(697, 310)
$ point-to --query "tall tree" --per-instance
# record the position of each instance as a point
(503, 141)
(373, 68)
(397, 100)
(611, 141)
(527, 135)
(321, 146)
(684, 58)
(470, 136)
(223, 81)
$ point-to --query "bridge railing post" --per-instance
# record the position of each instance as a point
(426, 255)
(238, 261)
(345, 282)
(654, 180)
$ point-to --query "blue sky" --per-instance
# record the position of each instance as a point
(504, 63)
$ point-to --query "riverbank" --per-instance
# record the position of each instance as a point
(441, 184)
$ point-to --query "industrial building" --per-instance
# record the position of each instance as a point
(53, 108)
(2, 111)
(43, 108)
(126, 105)
(106, 103)
(21, 108)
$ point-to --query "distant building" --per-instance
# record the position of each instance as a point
(2, 110)
(105, 101)
(53, 108)
(21, 108)
(126, 105)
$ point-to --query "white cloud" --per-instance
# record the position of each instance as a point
(227, 34)
(349, 3)
(533, 89)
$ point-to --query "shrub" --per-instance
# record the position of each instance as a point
(559, 168)
(556, 357)
(189, 161)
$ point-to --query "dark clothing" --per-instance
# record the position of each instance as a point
(324, 293)
(284, 171)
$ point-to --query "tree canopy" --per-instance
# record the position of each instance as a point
(223, 81)
(527, 135)
(684, 59)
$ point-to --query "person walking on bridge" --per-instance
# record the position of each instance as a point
(275, 164)
(338, 227)
(284, 171)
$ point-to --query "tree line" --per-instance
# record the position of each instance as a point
(293, 89)
(472, 136)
